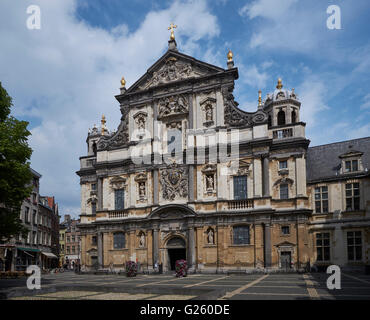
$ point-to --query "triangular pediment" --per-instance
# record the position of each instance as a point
(171, 67)
(352, 153)
(285, 244)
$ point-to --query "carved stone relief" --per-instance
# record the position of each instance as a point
(174, 182)
(174, 105)
(172, 70)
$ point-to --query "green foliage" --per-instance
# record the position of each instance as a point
(15, 174)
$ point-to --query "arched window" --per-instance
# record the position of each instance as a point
(119, 240)
(281, 118)
(241, 235)
(94, 147)
(294, 117)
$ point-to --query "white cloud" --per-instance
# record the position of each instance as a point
(271, 9)
(252, 76)
(67, 74)
(366, 104)
(311, 93)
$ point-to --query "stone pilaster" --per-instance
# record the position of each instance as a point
(191, 248)
(155, 246)
(266, 178)
(100, 250)
(100, 194)
(155, 187)
(191, 183)
(267, 245)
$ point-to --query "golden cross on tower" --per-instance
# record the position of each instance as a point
(171, 27)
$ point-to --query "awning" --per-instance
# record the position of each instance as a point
(29, 249)
(49, 255)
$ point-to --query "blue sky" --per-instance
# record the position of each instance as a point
(64, 77)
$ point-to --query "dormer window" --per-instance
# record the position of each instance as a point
(351, 166)
(351, 161)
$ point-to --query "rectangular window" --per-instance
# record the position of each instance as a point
(93, 208)
(352, 196)
(73, 238)
(241, 235)
(93, 186)
(119, 199)
(284, 191)
(354, 245)
(323, 246)
(119, 240)
(34, 217)
(321, 200)
(174, 141)
(94, 240)
(26, 215)
(73, 249)
(240, 188)
(351, 166)
(285, 230)
(283, 165)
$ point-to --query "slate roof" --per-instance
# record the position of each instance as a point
(323, 161)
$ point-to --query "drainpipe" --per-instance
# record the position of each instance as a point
(254, 240)
(298, 263)
(217, 260)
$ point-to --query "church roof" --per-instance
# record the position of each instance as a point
(324, 162)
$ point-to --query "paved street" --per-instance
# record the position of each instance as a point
(199, 286)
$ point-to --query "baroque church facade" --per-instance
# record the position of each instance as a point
(189, 175)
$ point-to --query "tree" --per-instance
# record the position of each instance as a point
(15, 173)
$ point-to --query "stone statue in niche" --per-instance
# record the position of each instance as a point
(209, 113)
(210, 182)
(210, 236)
(142, 240)
(142, 189)
(141, 124)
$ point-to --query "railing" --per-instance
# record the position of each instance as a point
(240, 204)
(118, 214)
(283, 133)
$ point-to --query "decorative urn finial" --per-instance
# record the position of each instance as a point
(260, 98)
(279, 84)
(123, 82)
(103, 122)
(230, 61)
(230, 56)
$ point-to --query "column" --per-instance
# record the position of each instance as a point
(155, 187)
(100, 194)
(191, 247)
(266, 184)
(155, 246)
(191, 183)
(267, 245)
(100, 250)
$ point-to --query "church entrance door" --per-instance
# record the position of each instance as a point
(176, 248)
(176, 254)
